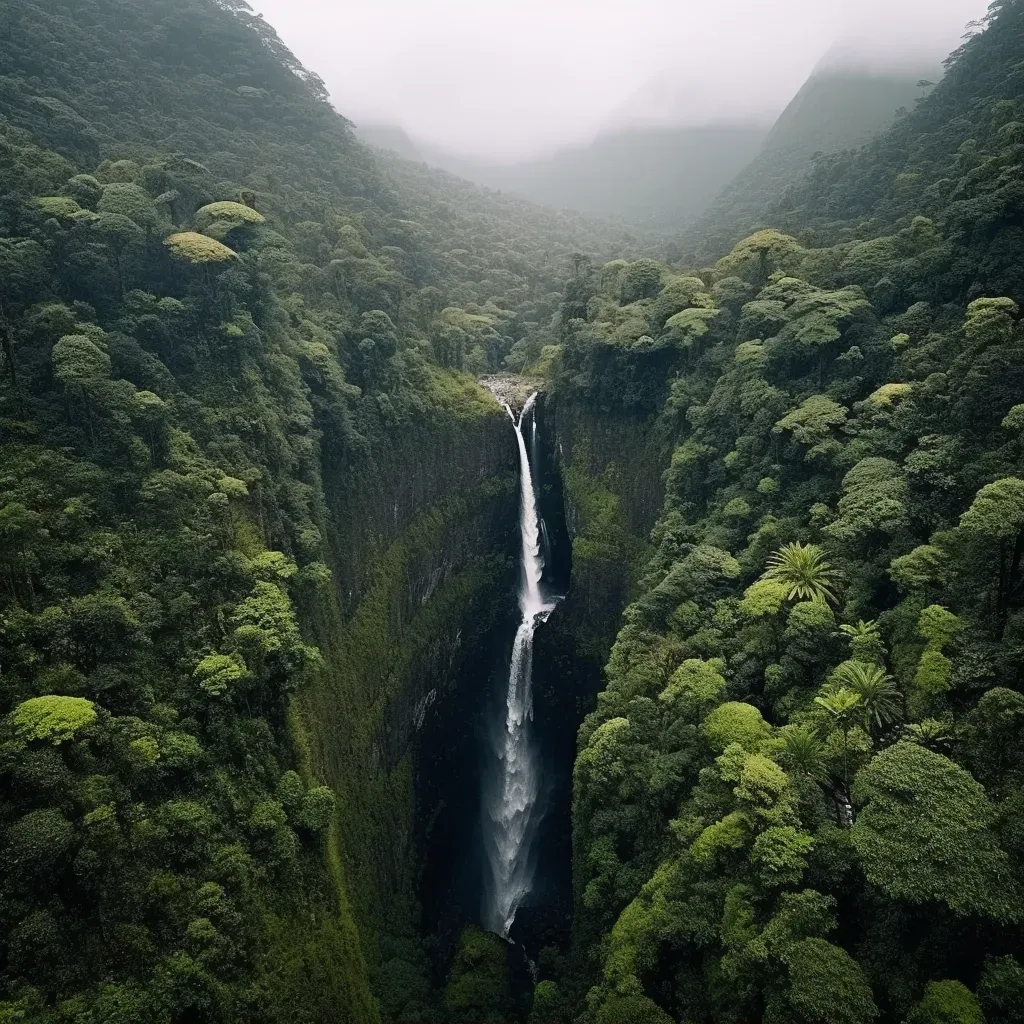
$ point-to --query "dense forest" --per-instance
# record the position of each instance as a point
(254, 510)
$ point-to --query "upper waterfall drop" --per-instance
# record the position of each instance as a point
(511, 804)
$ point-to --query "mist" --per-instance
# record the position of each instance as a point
(505, 81)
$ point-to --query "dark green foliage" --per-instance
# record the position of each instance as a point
(798, 796)
(219, 325)
(924, 833)
(478, 983)
(236, 446)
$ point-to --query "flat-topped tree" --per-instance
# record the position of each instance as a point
(199, 250)
(219, 219)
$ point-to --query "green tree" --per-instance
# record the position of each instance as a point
(803, 570)
(925, 833)
(946, 1002)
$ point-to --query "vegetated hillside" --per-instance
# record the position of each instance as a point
(836, 109)
(249, 507)
(246, 501)
(956, 159)
(503, 247)
(798, 798)
(654, 178)
(389, 137)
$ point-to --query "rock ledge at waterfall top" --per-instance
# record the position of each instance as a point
(511, 388)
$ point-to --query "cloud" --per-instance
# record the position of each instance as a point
(503, 79)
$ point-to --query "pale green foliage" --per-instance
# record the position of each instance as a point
(640, 279)
(729, 834)
(874, 499)
(316, 810)
(998, 509)
(265, 620)
(779, 854)
(946, 1002)
(843, 706)
(865, 641)
(764, 597)
(270, 566)
(52, 719)
(812, 422)
(193, 247)
(1014, 420)
(126, 199)
(600, 761)
(803, 753)
(803, 571)
(762, 318)
(888, 395)
(819, 318)
(933, 672)
(84, 189)
(152, 407)
(758, 256)
(217, 674)
(735, 722)
(79, 362)
(692, 324)
(921, 568)
(58, 206)
(989, 321)
(229, 212)
(762, 785)
(938, 627)
(232, 487)
(737, 508)
(694, 687)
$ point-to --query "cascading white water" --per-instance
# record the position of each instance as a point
(511, 803)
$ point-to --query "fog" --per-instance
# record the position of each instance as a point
(508, 79)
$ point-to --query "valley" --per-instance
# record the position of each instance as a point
(591, 595)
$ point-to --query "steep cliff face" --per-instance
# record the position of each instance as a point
(419, 531)
(611, 463)
(602, 488)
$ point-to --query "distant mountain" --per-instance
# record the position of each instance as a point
(837, 108)
(652, 177)
(649, 177)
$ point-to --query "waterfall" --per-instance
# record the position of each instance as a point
(510, 817)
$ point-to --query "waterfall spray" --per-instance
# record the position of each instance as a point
(511, 805)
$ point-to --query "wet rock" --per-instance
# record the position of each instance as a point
(512, 389)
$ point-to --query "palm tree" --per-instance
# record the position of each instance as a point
(803, 571)
(865, 641)
(879, 695)
(931, 733)
(867, 630)
(846, 710)
(804, 754)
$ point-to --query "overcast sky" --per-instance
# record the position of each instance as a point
(505, 79)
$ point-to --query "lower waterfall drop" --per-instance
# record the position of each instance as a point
(510, 817)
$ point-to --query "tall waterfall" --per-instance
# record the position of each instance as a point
(511, 804)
